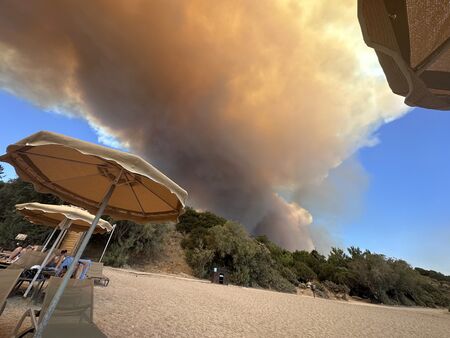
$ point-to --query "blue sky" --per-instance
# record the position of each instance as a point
(405, 209)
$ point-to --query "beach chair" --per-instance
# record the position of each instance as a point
(5, 254)
(25, 262)
(73, 316)
(28, 259)
(95, 272)
(8, 279)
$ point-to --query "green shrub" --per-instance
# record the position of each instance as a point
(336, 288)
(200, 260)
(320, 290)
(210, 242)
(116, 255)
(135, 243)
(303, 272)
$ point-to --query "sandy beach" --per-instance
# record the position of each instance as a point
(157, 305)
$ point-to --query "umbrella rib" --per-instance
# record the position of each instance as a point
(61, 158)
(21, 156)
(137, 199)
(73, 177)
(162, 199)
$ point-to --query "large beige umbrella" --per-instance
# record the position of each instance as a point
(99, 179)
(63, 217)
(81, 173)
(412, 42)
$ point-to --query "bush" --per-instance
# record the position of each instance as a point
(192, 220)
(320, 290)
(336, 288)
(200, 260)
(116, 255)
(135, 243)
(210, 242)
(303, 272)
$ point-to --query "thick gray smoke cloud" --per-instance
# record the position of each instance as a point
(240, 102)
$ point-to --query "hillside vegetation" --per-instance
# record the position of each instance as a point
(210, 241)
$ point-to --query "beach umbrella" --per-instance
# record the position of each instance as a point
(97, 178)
(412, 41)
(52, 215)
(63, 217)
(49, 238)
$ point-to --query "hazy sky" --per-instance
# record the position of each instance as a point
(402, 211)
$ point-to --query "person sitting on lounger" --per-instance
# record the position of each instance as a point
(80, 271)
(17, 252)
(56, 260)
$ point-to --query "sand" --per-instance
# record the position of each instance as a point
(156, 305)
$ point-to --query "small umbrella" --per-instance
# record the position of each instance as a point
(99, 179)
(412, 42)
(63, 217)
(52, 215)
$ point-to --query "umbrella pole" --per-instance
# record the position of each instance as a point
(107, 243)
(63, 225)
(80, 240)
(54, 302)
(50, 237)
(62, 238)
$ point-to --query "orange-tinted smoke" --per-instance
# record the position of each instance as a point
(234, 100)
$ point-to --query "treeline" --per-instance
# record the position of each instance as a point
(433, 274)
(11, 223)
(211, 241)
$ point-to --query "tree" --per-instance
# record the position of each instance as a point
(192, 220)
(354, 252)
(11, 223)
(337, 257)
(304, 272)
(2, 172)
(132, 243)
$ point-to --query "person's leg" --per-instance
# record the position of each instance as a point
(15, 252)
(58, 261)
(78, 271)
(86, 265)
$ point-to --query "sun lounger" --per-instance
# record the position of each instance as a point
(25, 262)
(73, 316)
(8, 279)
(28, 259)
(5, 254)
(4, 263)
(95, 272)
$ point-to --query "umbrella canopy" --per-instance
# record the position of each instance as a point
(81, 173)
(64, 217)
(412, 42)
(99, 179)
(52, 215)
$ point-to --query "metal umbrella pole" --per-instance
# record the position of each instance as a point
(54, 302)
(65, 223)
(49, 238)
(107, 243)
